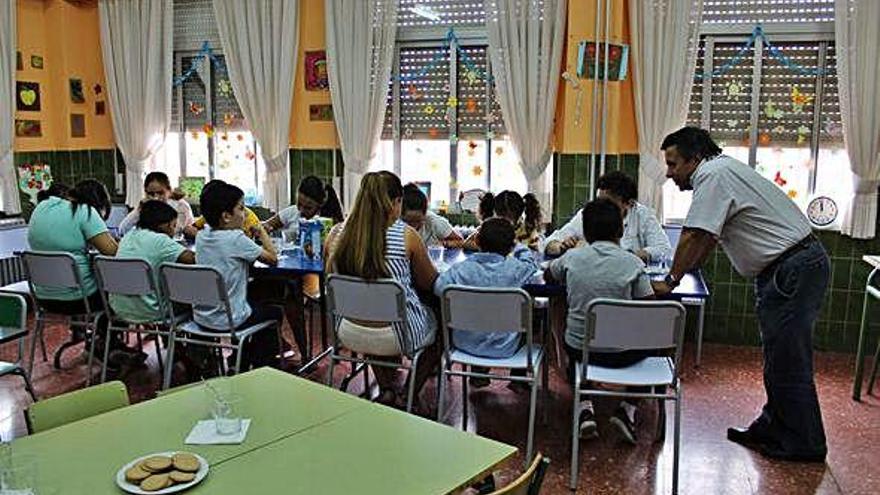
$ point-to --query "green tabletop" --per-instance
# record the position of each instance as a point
(373, 450)
(83, 457)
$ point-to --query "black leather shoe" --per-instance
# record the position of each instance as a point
(745, 437)
(774, 452)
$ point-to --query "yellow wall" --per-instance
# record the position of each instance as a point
(67, 36)
(305, 134)
(621, 130)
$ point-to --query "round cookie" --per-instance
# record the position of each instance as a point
(157, 464)
(136, 474)
(181, 477)
(185, 462)
(155, 482)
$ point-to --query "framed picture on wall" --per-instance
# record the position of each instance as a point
(316, 71)
(27, 96)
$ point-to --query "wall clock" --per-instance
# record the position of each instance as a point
(822, 211)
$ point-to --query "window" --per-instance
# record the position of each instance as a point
(443, 124)
(208, 137)
(772, 104)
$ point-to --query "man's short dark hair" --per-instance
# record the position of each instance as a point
(620, 185)
(414, 199)
(692, 143)
(220, 197)
(602, 221)
(497, 235)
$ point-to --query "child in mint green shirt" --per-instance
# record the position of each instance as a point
(151, 241)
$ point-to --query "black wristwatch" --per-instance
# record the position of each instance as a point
(671, 281)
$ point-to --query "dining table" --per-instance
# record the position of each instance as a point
(303, 438)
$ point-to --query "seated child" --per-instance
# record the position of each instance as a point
(251, 219)
(492, 267)
(225, 247)
(600, 269)
(524, 212)
(151, 241)
(432, 228)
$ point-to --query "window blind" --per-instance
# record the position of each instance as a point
(424, 93)
(787, 103)
(731, 97)
(695, 104)
(767, 11)
(449, 13)
(831, 125)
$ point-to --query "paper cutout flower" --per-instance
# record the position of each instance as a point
(779, 129)
(433, 132)
(240, 137)
(477, 171)
(428, 110)
(224, 88)
(734, 88)
(732, 123)
(249, 155)
(471, 77)
(490, 135)
(451, 102)
(772, 112)
(209, 130)
(764, 139)
(407, 133)
(228, 119)
(499, 151)
(195, 108)
(471, 105)
(414, 92)
(799, 100)
(803, 133)
(792, 193)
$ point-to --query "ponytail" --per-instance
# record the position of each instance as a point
(533, 213)
(91, 194)
(487, 206)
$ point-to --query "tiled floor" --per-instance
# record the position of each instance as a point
(725, 391)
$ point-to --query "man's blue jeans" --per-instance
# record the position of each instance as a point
(788, 298)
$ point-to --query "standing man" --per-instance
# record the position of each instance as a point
(767, 237)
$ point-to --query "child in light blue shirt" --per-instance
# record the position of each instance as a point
(491, 267)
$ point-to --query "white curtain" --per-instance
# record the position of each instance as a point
(260, 40)
(526, 41)
(9, 187)
(360, 48)
(665, 36)
(858, 70)
(136, 38)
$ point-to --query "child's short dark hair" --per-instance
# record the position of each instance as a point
(619, 184)
(414, 199)
(312, 187)
(602, 221)
(154, 213)
(497, 235)
(220, 197)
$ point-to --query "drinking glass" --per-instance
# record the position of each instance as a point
(226, 416)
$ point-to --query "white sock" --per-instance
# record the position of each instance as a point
(629, 409)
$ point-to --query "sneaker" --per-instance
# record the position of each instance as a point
(625, 425)
(588, 429)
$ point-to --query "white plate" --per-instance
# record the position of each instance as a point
(131, 488)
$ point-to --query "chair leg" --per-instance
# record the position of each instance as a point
(411, 382)
(576, 412)
(329, 380)
(106, 356)
(441, 389)
(159, 355)
(661, 417)
(37, 336)
(367, 394)
(533, 400)
(27, 382)
(169, 354)
(464, 399)
(676, 444)
(92, 338)
(43, 347)
(545, 386)
(874, 368)
(239, 352)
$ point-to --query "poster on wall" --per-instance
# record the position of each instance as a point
(618, 57)
(36, 61)
(100, 108)
(27, 96)
(18, 63)
(77, 125)
(316, 71)
(76, 91)
(28, 128)
(321, 113)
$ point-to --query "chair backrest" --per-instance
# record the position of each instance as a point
(482, 309)
(13, 316)
(74, 406)
(51, 269)
(125, 276)
(196, 285)
(381, 300)
(529, 483)
(632, 325)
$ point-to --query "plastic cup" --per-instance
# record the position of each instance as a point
(225, 412)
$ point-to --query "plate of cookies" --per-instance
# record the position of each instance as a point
(162, 472)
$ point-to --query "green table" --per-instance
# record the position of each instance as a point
(301, 432)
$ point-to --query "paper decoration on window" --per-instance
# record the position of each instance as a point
(833, 129)
(316, 71)
(803, 133)
(195, 108)
(249, 155)
(451, 102)
(77, 125)
(28, 128)
(477, 171)
(732, 123)
(490, 118)
(434, 166)
(224, 88)
(799, 100)
(472, 145)
(27, 96)
(772, 112)
(734, 88)
(194, 134)
(240, 137)
(407, 133)
(433, 132)
(225, 137)
(779, 180)
(779, 129)
(499, 151)
(33, 178)
(764, 139)
(471, 105)
(36, 61)
(414, 92)
(208, 128)
(76, 91)
(428, 110)
(792, 193)
(228, 119)
(471, 77)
